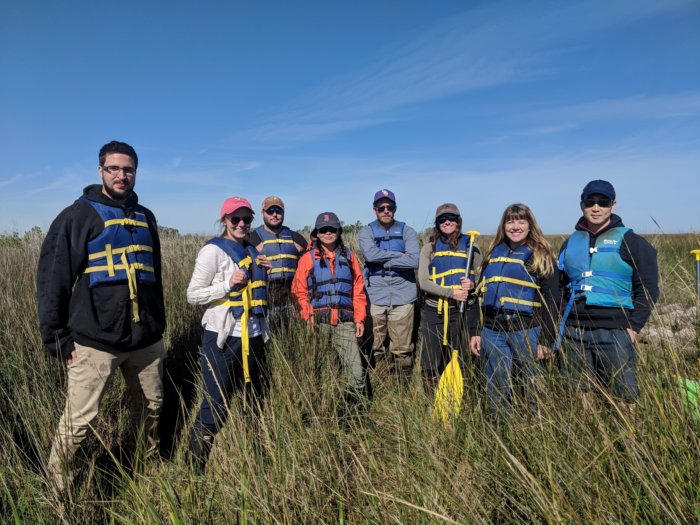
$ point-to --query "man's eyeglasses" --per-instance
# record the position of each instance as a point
(447, 217)
(113, 170)
(235, 220)
(328, 229)
(274, 210)
(387, 207)
(603, 202)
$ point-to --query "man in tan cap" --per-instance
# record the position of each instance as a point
(282, 247)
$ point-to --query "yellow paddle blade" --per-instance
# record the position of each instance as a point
(448, 397)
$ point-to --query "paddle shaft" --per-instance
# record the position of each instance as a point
(472, 236)
(697, 289)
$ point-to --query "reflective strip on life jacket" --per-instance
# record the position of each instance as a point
(126, 222)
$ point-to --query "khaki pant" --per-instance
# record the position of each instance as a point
(88, 377)
(397, 322)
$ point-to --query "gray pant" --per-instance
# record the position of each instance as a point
(344, 342)
(88, 377)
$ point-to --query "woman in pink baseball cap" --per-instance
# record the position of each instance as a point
(230, 278)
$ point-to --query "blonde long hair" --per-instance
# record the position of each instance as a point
(542, 259)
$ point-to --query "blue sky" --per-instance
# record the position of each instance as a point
(323, 103)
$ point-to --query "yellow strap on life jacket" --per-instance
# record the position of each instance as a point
(131, 279)
(121, 266)
(111, 251)
(282, 256)
(245, 343)
(443, 306)
(278, 241)
(501, 279)
(110, 262)
(229, 302)
(520, 301)
(453, 271)
(508, 260)
(449, 254)
(245, 262)
(280, 270)
(247, 302)
(125, 222)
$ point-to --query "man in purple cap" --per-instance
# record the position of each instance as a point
(611, 277)
(391, 250)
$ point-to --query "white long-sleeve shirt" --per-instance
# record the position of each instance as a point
(210, 281)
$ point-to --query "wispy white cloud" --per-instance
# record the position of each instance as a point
(638, 107)
(11, 180)
(500, 43)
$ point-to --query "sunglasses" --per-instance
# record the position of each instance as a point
(272, 210)
(328, 229)
(387, 207)
(603, 202)
(447, 217)
(235, 220)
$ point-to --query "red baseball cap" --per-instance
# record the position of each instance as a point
(234, 203)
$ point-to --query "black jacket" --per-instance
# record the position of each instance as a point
(99, 317)
(638, 253)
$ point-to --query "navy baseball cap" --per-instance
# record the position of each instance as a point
(384, 194)
(599, 187)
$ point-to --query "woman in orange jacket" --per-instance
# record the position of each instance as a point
(329, 289)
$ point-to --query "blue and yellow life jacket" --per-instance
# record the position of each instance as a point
(251, 298)
(122, 252)
(281, 251)
(393, 241)
(598, 274)
(248, 299)
(506, 282)
(446, 269)
(331, 289)
(448, 266)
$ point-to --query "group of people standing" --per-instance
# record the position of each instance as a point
(100, 300)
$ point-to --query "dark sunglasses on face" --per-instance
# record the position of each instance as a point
(603, 202)
(387, 207)
(447, 217)
(235, 220)
(328, 229)
(113, 170)
(272, 210)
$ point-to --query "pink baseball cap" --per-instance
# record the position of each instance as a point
(234, 203)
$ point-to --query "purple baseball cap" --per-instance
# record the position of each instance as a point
(384, 194)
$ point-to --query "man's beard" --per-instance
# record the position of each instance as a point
(113, 194)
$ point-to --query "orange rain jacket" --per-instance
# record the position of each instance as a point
(300, 287)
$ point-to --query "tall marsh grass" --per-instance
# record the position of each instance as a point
(298, 464)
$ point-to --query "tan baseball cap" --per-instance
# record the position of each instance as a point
(448, 207)
(272, 200)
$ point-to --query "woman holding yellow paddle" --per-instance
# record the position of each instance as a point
(520, 287)
(442, 275)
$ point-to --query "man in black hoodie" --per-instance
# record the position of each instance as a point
(100, 301)
(611, 280)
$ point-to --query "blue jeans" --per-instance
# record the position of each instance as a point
(505, 353)
(222, 375)
(604, 355)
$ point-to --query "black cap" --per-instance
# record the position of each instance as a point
(327, 218)
(599, 187)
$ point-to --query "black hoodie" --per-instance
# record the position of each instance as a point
(641, 256)
(99, 317)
